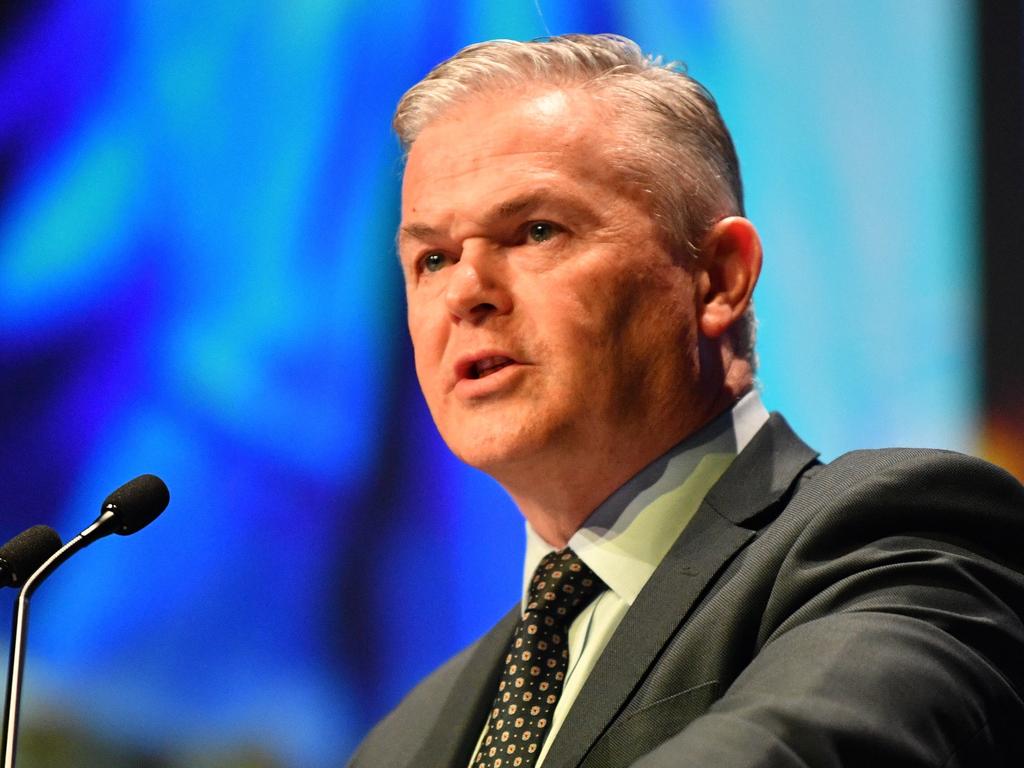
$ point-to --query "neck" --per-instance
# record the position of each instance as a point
(558, 491)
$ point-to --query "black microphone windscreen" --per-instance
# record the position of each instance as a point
(137, 503)
(27, 551)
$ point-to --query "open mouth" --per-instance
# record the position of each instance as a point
(487, 366)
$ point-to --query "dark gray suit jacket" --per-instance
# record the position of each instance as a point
(867, 611)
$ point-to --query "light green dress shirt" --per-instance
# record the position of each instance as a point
(625, 539)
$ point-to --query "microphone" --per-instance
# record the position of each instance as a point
(130, 508)
(22, 555)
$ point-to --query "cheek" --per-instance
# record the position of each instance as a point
(605, 316)
(633, 326)
(425, 317)
(422, 367)
(428, 349)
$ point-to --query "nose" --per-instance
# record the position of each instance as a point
(477, 286)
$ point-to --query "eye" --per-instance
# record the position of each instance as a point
(434, 261)
(539, 231)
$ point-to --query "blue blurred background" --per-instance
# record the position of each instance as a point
(197, 279)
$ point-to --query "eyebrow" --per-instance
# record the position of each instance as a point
(417, 231)
(503, 210)
(517, 205)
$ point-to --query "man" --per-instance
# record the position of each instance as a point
(699, 589)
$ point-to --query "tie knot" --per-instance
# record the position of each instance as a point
(562, 586)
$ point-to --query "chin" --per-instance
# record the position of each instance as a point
(498, 447)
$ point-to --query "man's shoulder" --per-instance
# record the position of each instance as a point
(446, 693)
(778, 475)
(893, 503)
(401, 734)
(902, 471)
(879, 502)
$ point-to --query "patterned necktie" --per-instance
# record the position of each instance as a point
(537, 661)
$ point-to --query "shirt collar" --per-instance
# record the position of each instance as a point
(626, 537)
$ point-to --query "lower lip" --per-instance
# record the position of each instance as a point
(488, 385)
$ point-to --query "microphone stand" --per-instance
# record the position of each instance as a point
(19, 627)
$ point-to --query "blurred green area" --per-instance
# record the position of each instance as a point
(50, 739)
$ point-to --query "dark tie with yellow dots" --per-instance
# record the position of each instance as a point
(536, 663)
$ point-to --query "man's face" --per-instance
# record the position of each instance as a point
(549, 318)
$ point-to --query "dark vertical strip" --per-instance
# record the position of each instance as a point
(1001, 89)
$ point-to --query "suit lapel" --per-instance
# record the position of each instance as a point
(758, 478)
(762, 474)
(461, 716)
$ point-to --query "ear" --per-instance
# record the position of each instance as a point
(728, 267)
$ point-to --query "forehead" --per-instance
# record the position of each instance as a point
(498, 140)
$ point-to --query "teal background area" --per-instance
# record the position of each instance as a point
(197, 279)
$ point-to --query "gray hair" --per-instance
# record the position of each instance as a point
(674, 143)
